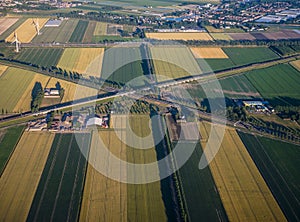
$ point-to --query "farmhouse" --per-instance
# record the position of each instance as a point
(260, 106)
(51, 93)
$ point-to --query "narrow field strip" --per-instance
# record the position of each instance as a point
(179, 36)
(6, 22)
(2, 69)
(208, 53)
(20, 179)
(27, 31)
(244, 193)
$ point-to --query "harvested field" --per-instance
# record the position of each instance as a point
(118, 121)
(179, 36)
(21, 176)
(2, 69)
(292, 34)
(173, 62)
(209, 53)
(12, 28)
(100, 28)
(243, 191)
(296, 64)
(26, 31)
(58, 195)
(276, 35)
(259, 36)
(6, 22)
(59, 34)
(13, 83)
(87, 61)
(46, 57)
(221, 36)
(241, 36)
(89, 33)
(72, 90)
(79, 31)
(103, 198)
(113, 29)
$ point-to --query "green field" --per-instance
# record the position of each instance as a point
(79, 31)
(242, 56)
(279, 84)
(278, 162)
(43, 57)
(283, 50)
(172, 62)
(59, 193)
(8, 141)
(216, 64)
(202, 199)
(59, 34)
(13, 83)
(122, 64)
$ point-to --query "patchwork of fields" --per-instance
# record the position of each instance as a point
(244, 193)
(26, 31)
(279, 84)
(21, 176)
(172, 62)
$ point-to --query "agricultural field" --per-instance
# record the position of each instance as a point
(216, 64)
(46, 57)
(21, 176)
(87, 61)
(278, 162)
(12, 28)
(172, 62)
(58, 195)
(59, 34)
(243, 191)
(242, 56)
(221, 36)
(89, 33)
(208, 53)
(279, 84)
(26, 31)
(15, 88)
(5, 23)
(212, 29)
(8, 140)
(283, 50)
(72, 90)
(79, 31)
(122, 64)
(241, 36)
(201, 198)
(2, 69)
(179, 36)
(296, 64)
(100, 28)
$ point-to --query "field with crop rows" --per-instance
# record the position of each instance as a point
(202, 200)
(216, 64)
(279, 84)
(221, 36)
(243, 191)
(8, 140)
(46, 57)
(72, 90)
(242, 56)
(208, 53)
(100, 29)
(87, 61)
(59, 34)
(21, 176)
(26, 31)
(172, 62)
(122, 64)
(79, 31)
(5, 23)
(2, 69)
(89, 33)
(179, 36)
(12, 28)
(278, 163)
(58, 196)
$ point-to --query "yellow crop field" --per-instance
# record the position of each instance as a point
(27, 30)
(243, 191)
(24, 102)
(87, 61)
(21, 176)
(104, 199)
(6, 22)
(220, 36)
(72, 90)
(179, 36)
(296, 64)
(2, 69)
(100, 28)
(209, 53)
(118, 121)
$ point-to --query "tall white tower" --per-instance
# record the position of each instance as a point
(37, 26)
(18, 43)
